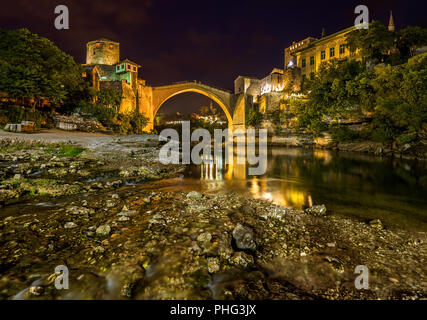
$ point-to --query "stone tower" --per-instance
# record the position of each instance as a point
(391, 22)
(102, 51)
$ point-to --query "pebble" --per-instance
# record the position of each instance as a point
(213, 265)
(103, 230)
(70, 225)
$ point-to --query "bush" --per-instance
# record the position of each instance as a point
(133, 123)
(17, 114)
(102, 113)
(254, 118)
(341, 133)
(382, 131)
(138, 122)
(406, 138)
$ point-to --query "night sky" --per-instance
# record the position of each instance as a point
(209, 41)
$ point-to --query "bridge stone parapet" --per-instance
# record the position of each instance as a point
(234, 106)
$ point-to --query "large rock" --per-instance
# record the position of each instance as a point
(194, 195)
(244, 237)
(376, 223)
(103, 230)
(319, 210)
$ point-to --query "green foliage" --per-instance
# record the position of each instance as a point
(16, 114)
(401, 94)
(254, 118)
(132, 123)
(340, 133)
(64, 150)
(374, 43)
(32, 67)
(395, 97)
(377, 44)
(341, 89)
(308, 115)
(406, 138)
(103, 114)
(138, 122)
(108, 97)
(408, 39)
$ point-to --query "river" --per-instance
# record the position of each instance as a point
(352, 184)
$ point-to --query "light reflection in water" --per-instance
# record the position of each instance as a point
(216, 173)
(347, 183)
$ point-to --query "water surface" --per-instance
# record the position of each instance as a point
(351, 184)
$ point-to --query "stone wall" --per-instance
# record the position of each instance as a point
(102, 52)
(71, 123)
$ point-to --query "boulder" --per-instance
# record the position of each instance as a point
(244, 237)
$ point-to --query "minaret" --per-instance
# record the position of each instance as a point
(391, 22)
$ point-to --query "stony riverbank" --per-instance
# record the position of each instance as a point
(120, 237)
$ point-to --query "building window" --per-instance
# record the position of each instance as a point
(111, 46)
(134, 69)
(128, 66)
(303, 77)
(303, 63)
(331, 52)
(322, 55)
(98, 45)
(311, 61)
(342, 49)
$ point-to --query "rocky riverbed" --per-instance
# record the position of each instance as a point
(95, 209)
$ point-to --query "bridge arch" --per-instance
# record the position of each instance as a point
(221, 97)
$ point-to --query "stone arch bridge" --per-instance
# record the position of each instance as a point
(233, 105)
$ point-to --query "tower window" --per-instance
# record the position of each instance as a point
(128, 66)
(322, 55)
(134, 69)
(98, 45)
(311, 61)
(111, 46)
(303, 63)
(331, 52)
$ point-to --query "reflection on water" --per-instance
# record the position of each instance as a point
(349, 184)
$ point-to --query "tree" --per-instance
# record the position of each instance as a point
(401, 95)
(254, 118)
(109, 97)
(374, 43)
(32, 67)
(409, 39)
